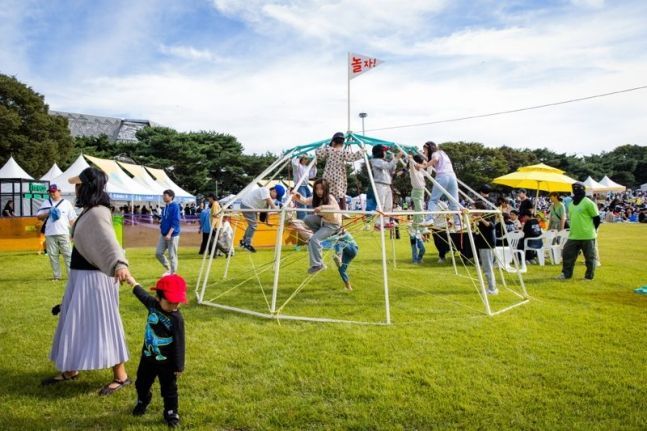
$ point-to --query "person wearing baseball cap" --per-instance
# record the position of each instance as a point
(584, 220)
(260, 198)
(58, 215)
(164, 344)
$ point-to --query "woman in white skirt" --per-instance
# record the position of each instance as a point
(90, 335)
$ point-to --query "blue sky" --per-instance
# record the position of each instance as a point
(273, 73)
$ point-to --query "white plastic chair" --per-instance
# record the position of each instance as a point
(558, 246)
(541, 250)
(503, 255)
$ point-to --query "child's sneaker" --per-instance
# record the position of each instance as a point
(142, 405)
(172, 418)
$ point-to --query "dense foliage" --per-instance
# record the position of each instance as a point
(209, 161)
(27, 131)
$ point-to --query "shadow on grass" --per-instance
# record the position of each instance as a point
(27, 383)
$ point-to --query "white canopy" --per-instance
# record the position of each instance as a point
(12, 170)
(594, 187)
(142, 177)
(643, 188)
(612, 186)
(53, 172)
(166, 183)
(74, 170)
(120, 186)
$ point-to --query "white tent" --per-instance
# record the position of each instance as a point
(74, 170)
(120, 186)
(114, 189)
(53, 172)
(643, 188)
(612, 186)
(166, 183)
(594, 187)
(12, 170)
(142, 177)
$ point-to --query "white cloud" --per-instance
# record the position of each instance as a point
(191, 53)
(288, 86)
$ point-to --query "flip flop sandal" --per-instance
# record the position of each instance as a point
(58, 378)
(107, 390)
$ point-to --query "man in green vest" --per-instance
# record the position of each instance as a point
(584, 222)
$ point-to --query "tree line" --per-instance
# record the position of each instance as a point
(209, 161)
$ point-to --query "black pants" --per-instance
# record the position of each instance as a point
(146, 374)
(569, 256)
(214, 243)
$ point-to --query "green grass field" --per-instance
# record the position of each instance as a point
(572, 358)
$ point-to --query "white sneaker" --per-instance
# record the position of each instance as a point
(441, 260)
(166, 273)
(494, 291)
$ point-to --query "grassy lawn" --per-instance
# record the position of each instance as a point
(572, 358)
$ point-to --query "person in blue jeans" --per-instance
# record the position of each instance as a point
(169, 233)
(417, 245)
(346, 249)
(303, 174)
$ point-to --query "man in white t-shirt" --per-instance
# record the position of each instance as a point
(260, 198)
(59, 215)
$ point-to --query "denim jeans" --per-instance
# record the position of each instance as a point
(305, 192)
(449, 183)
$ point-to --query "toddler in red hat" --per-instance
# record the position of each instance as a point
(163, 350)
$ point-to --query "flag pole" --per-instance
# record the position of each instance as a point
(348, 88)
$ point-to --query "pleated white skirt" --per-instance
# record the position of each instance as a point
(89, 335)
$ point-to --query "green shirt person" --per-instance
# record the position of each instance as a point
(584, 222)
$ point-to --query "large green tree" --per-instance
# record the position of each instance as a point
(27, 131)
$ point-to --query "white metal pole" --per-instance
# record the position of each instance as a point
(348, 88)
(278, 247)
(228, 204)
(477, 264)
(385, 275)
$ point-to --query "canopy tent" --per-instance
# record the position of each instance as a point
(643, 188)
(12, 170)
(167, 184)
(142, 177)
(123, 187)
(72, 171)
(21, 188)
(611, 185)
(594, 187)
(53, 172)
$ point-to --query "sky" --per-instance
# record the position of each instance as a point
(274, 73)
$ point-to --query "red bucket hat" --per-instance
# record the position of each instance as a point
(174, 288)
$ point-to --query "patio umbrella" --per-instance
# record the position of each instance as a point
(540, 167)
(536, 180)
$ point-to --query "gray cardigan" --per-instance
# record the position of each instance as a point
(94, 237)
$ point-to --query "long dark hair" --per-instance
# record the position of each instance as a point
(316, 200)
(429, 145)
(92, 190)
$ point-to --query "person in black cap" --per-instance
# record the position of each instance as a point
(584, 222)
(335, 170)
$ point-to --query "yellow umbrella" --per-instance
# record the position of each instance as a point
(536, 180)
(540, 167)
